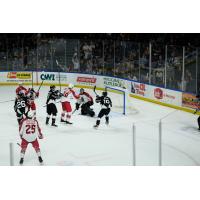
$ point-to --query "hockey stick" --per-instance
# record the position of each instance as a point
(74, 111)
(32, 79)
(6, 101)
(58, 74)
(40, 86)
(94, 89)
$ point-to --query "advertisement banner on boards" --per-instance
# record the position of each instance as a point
(188, 101)
(138, 88)
(13, 77)
(165, 95)
(86, 80)
(114, 82)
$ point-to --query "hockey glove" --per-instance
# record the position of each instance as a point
(41, 136)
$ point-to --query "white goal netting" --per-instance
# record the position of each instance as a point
(122, 102)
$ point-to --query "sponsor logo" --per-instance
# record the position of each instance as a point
(158, 93)
(86, 80)
(19, 75)
(115, 82)
(53, 77)
(49, 77)
(188, 101)
(138, 88)
(161, 94)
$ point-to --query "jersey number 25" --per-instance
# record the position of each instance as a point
(30, 129)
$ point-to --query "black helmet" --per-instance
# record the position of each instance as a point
(104, 94)
(81, 90)
(21, 94)
(52, 87)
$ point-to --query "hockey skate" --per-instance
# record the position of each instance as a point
(54, 125)
(96, 126)
(21, 161)
(67, 122)
(61, 120)
(40, 159)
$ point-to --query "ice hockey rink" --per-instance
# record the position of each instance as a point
(82, 145)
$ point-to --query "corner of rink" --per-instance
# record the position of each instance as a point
(81, 144)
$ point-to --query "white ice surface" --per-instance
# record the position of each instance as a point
(81, 144)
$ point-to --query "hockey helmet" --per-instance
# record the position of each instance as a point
(81, 90)
(70, 86)
(52, 87)
(21, 93)
(30, 115)
(104, 93)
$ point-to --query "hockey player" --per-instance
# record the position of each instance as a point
(197, 100)
(53, 95)
(68, 94)
(105, 103)
(29, 130)
(32, 95)
(85, 101)
(21, 88)
(21, 106)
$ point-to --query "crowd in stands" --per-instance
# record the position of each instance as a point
(121, 55)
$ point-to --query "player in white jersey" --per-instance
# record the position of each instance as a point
(68, 95)
(29, 130)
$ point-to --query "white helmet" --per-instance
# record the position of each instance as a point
(70, 86)
(30, 115)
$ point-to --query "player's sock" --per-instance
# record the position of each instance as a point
(40, 159)
(62, 117)
(21, 161)
(47, 120)
(107, 120)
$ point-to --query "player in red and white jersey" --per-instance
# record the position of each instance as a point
(21, 89)
(68, 95)
(32, 95)
(29, 130)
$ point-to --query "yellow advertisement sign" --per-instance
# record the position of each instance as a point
(19, 75)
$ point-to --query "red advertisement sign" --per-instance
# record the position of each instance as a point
(86, 80)
(138, 88)
(158, 93)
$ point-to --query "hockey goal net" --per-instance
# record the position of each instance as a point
(121, 100)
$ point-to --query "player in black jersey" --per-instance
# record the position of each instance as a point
(51, 104)
(106, 104)
(21, 106)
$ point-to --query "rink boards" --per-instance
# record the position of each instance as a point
(166, 97)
